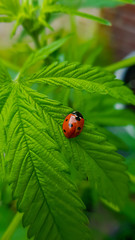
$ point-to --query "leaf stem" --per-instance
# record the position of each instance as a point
(36, 41)
(121, 64)
(12, 227)
(3, 166)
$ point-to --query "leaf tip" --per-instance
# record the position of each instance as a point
(108, 23)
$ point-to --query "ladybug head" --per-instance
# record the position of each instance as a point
(78, 114)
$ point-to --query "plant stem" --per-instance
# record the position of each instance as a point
(36, 41)
(12, 227)
(3, 166)
(122, 64)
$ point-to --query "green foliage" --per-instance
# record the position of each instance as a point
(105, 3)
(122, 64)
(33, 15)
(39, 159)
(113, 117)
(4, 77)
(44, 168)
(63, 9)
(93, 3)
(89, 155)
(42, 54)
(5, 86)
(11, 7)
(38, 174)
(92, 80)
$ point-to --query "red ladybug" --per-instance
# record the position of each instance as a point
(73, 124)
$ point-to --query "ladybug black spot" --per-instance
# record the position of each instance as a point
(79, 128)
(70, 125)
(64, 130)
(78, 118)
(66, 120)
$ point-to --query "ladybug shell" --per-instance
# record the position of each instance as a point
(73, 124)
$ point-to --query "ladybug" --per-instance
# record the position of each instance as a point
(73, 124)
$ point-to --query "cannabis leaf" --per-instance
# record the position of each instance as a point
(90, 79)
(39, 160)
(38, 174)
(59, 8)
(90, 153)
(5, 85)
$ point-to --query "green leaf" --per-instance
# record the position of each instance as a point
(110, 205)
(42, 54)
(9, 7)
(70, 3)
(40, 159)
(5, 85)
(112, 114)
(103, 110)
(91, 153)
(45, 23)
(71, 11)
(6, 19)
(18, 22)
(4, 76)
(90, 79)
(121, 64)
(104, 3)
(127, 1)
(114, 139)
(38, 174)
(113, 117)
(2, 147)
(5, 90)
